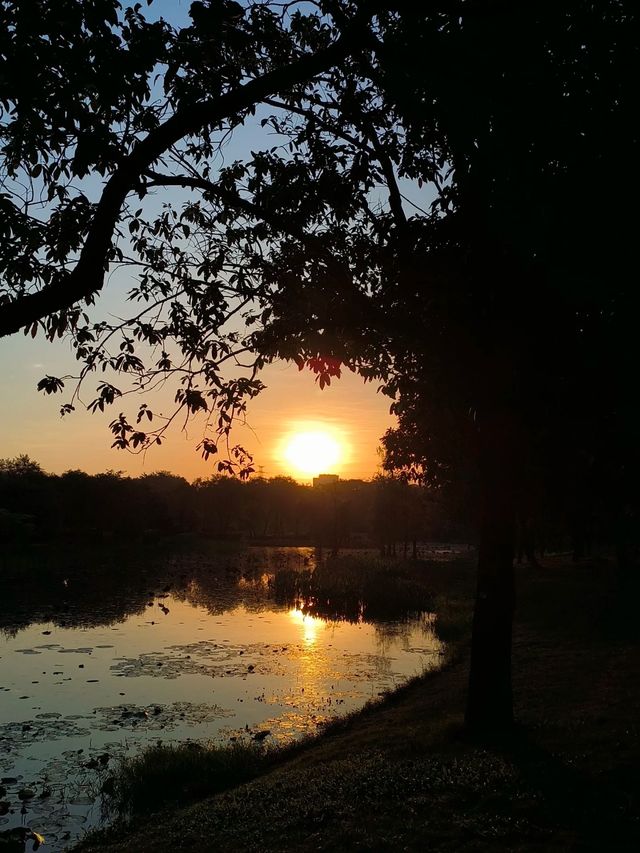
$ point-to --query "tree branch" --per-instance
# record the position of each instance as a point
(395, 197)
(87, 278)
(284, 224)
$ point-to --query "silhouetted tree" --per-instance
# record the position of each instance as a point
(500, 319)
(170, 506)
(518, 349)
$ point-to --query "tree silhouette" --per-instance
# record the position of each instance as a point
(500, 320)
(524, 273)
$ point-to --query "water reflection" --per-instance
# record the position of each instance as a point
(103, 652)
(86, 588)
(309, 625)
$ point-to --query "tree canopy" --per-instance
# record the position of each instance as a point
(112, 109)
(113, 138)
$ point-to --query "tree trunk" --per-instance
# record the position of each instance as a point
(489, 701)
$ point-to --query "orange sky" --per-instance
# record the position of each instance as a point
(30, 422)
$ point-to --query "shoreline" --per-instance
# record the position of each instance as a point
(402, 774)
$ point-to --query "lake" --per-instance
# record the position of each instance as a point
(103, 652)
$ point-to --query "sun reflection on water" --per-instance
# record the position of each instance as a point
(309, 625)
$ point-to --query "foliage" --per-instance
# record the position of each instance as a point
(75, 505)
(356, 587)
(536, 283)
(20, 466)
(109, 93)
(500, 317)
(306, 248)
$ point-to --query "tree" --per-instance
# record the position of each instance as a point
(307, 250)
(499, 322)
(24, 497)
(532, 101)
(85, 106)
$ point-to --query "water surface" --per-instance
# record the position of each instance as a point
(97, 661)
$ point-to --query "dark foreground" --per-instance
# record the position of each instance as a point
(402, 776)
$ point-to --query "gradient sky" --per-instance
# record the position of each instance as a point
(30, 421)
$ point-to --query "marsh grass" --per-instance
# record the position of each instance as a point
(401, 774)
(165, 776)
(175, 774)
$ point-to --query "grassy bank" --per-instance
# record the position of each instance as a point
(401, 775)
(166, 776)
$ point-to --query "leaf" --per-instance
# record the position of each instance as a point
(50, 385)
(138, 438)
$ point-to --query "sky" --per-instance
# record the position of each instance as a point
(292, 403)
(350, 412)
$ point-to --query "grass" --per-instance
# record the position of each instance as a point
(170, 775)
(295, 780)
(164, 777)
(454, 615)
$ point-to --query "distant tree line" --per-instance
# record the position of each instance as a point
(386, 512)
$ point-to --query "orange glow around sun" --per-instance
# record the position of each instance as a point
(309, 451)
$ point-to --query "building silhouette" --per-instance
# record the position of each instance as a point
(325, 480)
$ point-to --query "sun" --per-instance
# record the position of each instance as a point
(313, 452)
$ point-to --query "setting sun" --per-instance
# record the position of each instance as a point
(313, 452)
